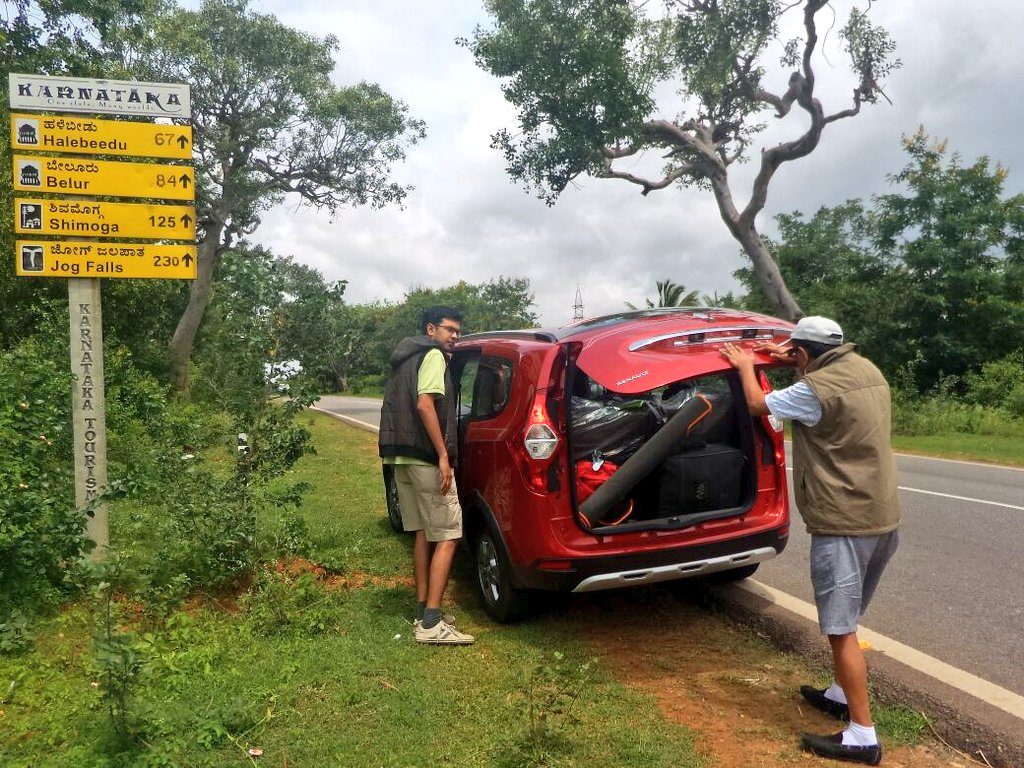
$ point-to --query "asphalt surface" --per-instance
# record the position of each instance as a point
(954, 590)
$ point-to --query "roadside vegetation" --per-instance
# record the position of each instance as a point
(306, 655)
(302, 647)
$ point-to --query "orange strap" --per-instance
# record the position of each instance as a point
(697, 420)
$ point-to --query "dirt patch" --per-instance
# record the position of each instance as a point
(739, 695)
(358, 580)
(296, 566)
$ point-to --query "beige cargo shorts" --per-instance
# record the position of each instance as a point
(423, 506)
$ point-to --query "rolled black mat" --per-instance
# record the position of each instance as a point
(661, 444)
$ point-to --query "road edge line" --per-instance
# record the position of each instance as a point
(972, 685)
(352, 422)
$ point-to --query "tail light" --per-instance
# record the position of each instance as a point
(540, 442)
(766, 387)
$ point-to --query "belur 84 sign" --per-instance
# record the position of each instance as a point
(83, 176)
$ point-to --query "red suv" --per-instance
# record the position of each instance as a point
(614, 452)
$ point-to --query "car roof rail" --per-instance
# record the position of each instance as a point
(532, 334)
(605, 321)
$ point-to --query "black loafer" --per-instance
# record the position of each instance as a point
(817, 699)
(833, 747)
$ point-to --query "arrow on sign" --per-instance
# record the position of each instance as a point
(187, 259)
(186, 221)
(185, 181)
(182, 142)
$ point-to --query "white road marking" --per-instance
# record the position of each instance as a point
(951, 496)
(979, 688)
(349, 420)
(962, 498)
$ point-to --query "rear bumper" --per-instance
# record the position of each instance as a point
(614, 571)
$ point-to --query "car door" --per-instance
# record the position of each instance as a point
(485, 389)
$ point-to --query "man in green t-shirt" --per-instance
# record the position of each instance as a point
(418, 426)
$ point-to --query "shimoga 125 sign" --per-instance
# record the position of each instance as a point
(92, 218)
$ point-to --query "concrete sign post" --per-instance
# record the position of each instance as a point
(84, 254)
(89, 406)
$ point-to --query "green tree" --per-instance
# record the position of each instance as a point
(268, 123)
(583, 75)
(670, 294)
(502, 304)
(56, 37)
(929, 279)
(239, 336)
(960, 243)
(329, 338)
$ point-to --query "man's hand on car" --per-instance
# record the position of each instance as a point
(738, 357)
(776, 351)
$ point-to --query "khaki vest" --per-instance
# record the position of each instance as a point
(844, 474)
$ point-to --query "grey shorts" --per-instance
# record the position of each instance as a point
(423, 507)
(845, 571)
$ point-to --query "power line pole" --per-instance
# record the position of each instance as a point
(577, 308)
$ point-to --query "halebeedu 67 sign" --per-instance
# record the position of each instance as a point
(83, 135)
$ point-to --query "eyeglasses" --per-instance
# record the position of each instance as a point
(451, 329)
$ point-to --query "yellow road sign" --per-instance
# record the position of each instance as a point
(79, 176)
(73, 259)
(82, 135)
(88, 218)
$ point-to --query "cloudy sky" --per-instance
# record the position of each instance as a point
(466, 219)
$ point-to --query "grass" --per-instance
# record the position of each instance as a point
(214, 683)
(1000, 449)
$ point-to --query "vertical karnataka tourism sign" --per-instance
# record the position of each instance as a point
(67, 231)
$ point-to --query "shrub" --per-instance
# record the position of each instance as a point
(935, 415)
(40, 528)
(279, 603)
(999, 384)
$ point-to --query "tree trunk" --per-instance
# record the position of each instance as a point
(767, 270)
(198, 298)
(769, 277)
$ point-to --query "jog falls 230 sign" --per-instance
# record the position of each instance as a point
(65, 165)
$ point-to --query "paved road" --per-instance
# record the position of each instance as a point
(955, 589)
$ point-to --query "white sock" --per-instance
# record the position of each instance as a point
(859, 735)
(835, 693)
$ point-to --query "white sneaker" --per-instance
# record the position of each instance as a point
(442, 634)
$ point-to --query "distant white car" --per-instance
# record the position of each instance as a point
(280, 373)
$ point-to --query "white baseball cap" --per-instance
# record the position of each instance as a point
(818, 329)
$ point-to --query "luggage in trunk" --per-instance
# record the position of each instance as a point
(701, 479)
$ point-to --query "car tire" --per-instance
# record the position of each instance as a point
(391, 496)
(502, 602)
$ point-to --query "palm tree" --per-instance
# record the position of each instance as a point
(671, 294)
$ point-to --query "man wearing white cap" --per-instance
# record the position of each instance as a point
(844, 480)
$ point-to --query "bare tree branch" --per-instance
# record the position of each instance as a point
(647, 185)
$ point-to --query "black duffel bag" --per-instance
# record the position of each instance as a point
(701, 479)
